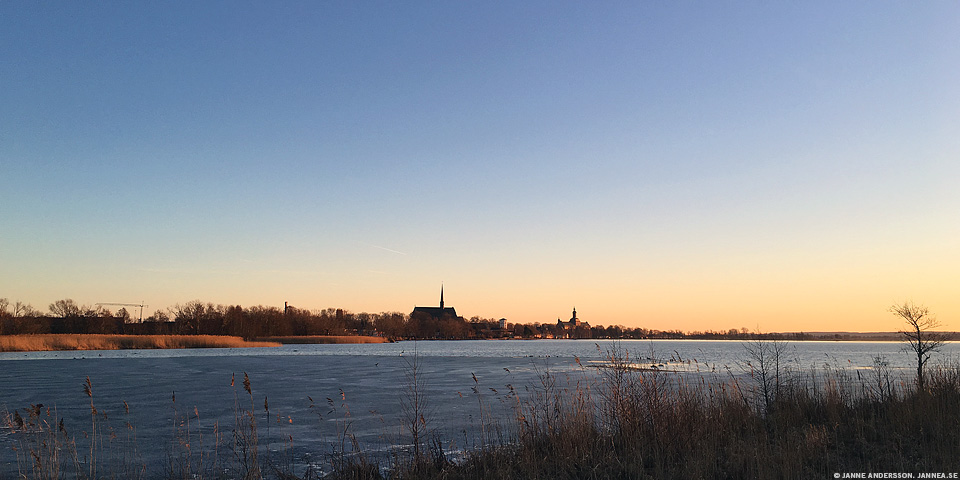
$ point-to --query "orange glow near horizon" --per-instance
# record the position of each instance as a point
(832, 292)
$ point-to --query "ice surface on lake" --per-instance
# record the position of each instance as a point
(357, 386)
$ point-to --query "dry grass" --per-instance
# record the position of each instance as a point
(311, 339)
(652, 424)
(36, 343)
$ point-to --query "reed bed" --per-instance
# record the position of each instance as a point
(51, 342)
(324, 339)
(659, 425)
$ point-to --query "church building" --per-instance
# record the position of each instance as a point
(436, 312)
(574, 322)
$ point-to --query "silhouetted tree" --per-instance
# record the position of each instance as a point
(920, 338)
(390, 324)
(233, 321)
(65, 308)
(263, 321)
(21, 309)
(187, 317)
(158, 316)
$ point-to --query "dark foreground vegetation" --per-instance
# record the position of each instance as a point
(647, 428)
(618, 421)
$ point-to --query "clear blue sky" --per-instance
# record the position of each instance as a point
(693, 165)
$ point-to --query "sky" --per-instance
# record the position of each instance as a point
(776, 166)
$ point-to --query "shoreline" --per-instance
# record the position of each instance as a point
(82, 341)
(324, 339)
(85, 341)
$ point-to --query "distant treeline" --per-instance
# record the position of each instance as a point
(195, 318)
(199, 318)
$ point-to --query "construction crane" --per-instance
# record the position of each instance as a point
(141, 305)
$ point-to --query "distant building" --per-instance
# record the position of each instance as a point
(574, 322)
(436, 312)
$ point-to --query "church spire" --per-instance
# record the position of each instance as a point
(441, 296)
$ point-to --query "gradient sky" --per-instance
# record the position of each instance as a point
(778, 166)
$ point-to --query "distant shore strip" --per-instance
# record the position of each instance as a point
(314, 339)
(56, 342)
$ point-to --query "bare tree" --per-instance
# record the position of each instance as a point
(767, 359)
(65, 308)
(919, 336)
(21, 309)
(4, 303)
(188, 316)
(159, 316)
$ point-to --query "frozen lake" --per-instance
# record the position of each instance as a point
(354, 387)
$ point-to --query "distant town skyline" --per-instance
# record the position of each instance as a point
(695, 166)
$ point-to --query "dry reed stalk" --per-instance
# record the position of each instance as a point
(94, 435)
(133, 464)
(245, 441)
(483, 411)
